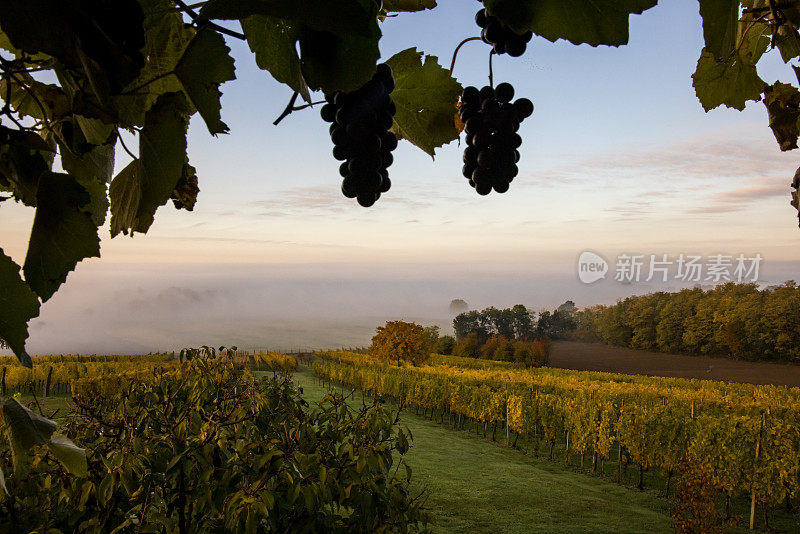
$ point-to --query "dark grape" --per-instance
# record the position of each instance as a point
(500, 187)
(471, 96)
(504, 92)
(502, 38)
(389, 141)
(483, 188)
(481, 18)
(524, 108)
(491, 154)
(361, 137)
(367, 198)
(340, 152)
(328, 112)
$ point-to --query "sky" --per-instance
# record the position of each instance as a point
(618, 157)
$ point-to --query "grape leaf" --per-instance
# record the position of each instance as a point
(787, 40)
(101, 38)
(70, 455)
(274, 43)
(184, 197)
(331, 62)
(24, 156)
(63, 233)
(18, 305)
(54, 102)
(425, 96)
(734, 80)
(166, 40)
(783, 107)
(408, 5)
(577, 21)
(147, 183)
(125, 196)
(795, 202)
(34, 26)
(342, 17)
(204, 66)
(92, 170)
(95, 131)
(720, 26)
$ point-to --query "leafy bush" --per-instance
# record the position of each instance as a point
(209, 448)
(445, 345)
(497, 348)
(467, 346)
(401, 341)
(532, 353)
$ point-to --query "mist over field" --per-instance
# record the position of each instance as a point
(129, 308)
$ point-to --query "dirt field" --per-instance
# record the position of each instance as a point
(599, 357)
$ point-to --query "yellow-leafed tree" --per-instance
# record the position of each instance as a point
(400, 341)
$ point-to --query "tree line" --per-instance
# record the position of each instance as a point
(513, 334)
(733, 320)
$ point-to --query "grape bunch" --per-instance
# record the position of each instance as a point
(502, 38)
(360, 122)
(491, 122)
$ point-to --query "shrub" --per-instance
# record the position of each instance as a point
(467, 346)
(492, 345)
(208, 448)
(532, 353)
(445, 345)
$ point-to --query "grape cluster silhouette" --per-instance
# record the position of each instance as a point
(503, 39)
(361, 138)
(491, 122)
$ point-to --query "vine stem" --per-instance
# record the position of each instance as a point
(455, 52)
(119, 136)
(288, 110)
(491, 74)
(309, 105)
(148, 82)
(192, 13)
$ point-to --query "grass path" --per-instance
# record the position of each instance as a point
(479, 486)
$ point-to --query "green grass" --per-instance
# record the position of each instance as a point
(58, 404)
(475, 485)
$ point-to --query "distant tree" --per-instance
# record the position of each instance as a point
(458, 306)
(445, 345)
(523, 323)
(735, 320)
(467, 346)
(470, 322)
(499, 322)
(568, 306)
(400, 341)
(555, 325)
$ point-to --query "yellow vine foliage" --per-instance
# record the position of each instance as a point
(660, 421)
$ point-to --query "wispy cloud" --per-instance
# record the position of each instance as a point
(740, 198)
(695, 162)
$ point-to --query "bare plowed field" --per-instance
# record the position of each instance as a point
(599, 357)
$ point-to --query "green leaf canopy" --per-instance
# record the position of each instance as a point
(425, 95)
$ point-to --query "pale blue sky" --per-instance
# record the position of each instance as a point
(618, 156)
